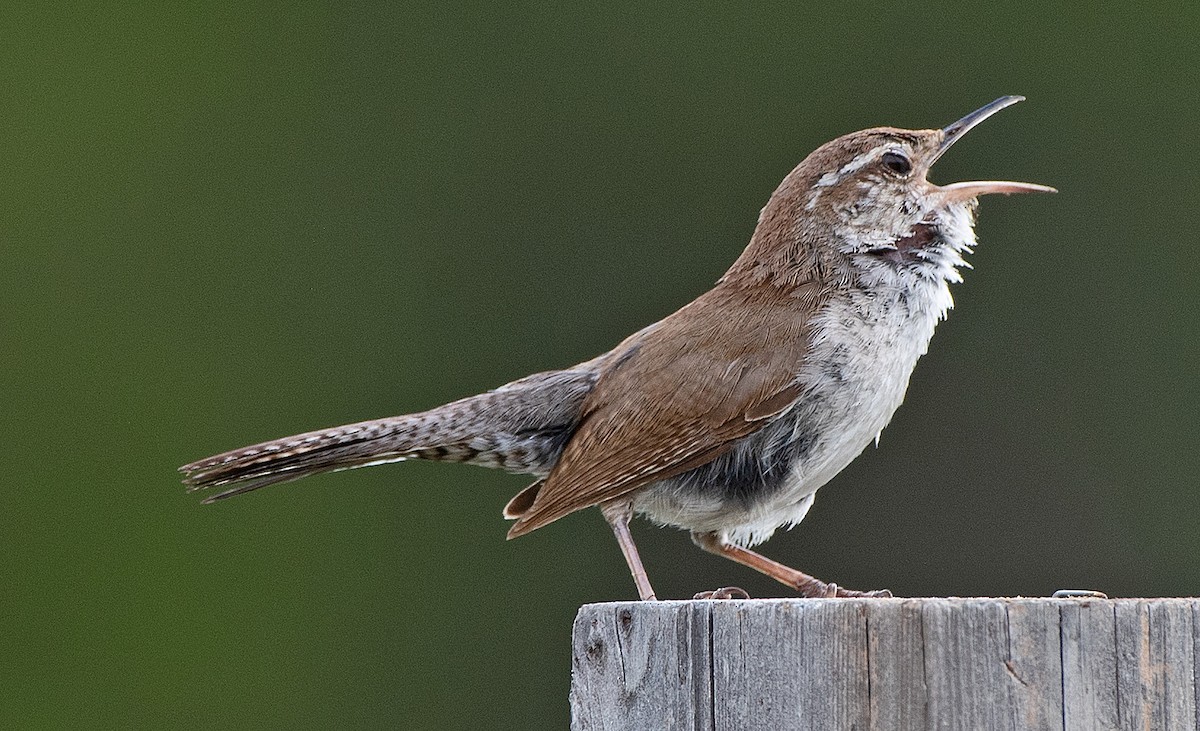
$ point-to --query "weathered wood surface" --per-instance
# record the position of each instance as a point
(967, 664)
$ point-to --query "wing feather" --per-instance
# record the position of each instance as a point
(678, 395)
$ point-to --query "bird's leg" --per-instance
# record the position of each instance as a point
(798, 580)
(618, 513)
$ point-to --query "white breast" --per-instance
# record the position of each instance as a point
(868, 342)
(867, 348)
(859, 373)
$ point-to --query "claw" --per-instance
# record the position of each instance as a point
(725, 592)
(876, 594)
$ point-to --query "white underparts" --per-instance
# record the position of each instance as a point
(867, 344)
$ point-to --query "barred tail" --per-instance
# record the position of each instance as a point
(520, 427)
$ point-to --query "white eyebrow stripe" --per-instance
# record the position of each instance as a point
(828, 179)
(857, 163)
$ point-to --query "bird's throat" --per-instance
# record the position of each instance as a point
(908, 249)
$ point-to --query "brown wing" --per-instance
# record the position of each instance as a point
(678, 395)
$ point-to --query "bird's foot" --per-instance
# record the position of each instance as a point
(873, 594)
(821, 590)
(725, 592)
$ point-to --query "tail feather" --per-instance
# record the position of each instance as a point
(284, 474)
(282, 454)
(519, 427)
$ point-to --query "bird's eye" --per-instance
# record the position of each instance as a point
(897, 163)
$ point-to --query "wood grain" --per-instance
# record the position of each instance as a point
(887, 664)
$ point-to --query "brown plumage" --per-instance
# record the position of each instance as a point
(725, 417)
(724, 376)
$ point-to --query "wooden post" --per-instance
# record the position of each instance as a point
(824, 664)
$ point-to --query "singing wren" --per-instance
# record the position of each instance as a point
(725, 417)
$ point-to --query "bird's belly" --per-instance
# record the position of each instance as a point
(857, 375)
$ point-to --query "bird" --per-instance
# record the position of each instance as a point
(725, 417)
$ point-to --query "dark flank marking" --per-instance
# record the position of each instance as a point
(835, 366)
(749, 474)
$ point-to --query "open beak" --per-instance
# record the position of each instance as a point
(964, 191)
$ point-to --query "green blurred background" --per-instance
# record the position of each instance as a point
(220, 225)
